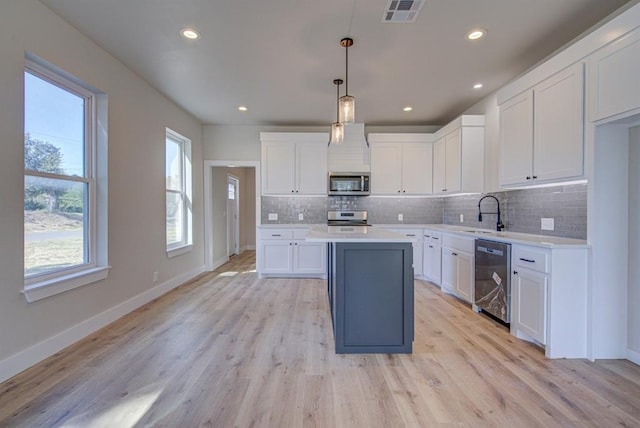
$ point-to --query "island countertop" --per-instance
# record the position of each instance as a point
(321, 233)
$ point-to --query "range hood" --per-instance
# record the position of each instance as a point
(352, 155)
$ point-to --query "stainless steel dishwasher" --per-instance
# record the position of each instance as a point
(492, 280)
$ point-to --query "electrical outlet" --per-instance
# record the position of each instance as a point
(273, 216)
(547, 224)
(400, 217)
(461, 218)
(155, 277)
(300, 217)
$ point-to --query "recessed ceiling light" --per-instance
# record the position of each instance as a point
(242, 108)
(476, 34)
(408, 108)
(477, 86)
(189, 33)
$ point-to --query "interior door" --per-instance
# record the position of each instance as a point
(233, 224)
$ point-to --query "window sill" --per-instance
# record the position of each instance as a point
(176, 251)
(43, 289)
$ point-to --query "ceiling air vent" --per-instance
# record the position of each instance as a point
(402, 11)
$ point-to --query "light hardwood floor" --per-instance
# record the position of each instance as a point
(229, 349)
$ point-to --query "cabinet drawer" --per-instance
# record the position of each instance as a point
(276, 234)
(432, 235)
(530, 258)
(458, 243)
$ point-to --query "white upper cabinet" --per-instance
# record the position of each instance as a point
(458, 156)
(294, 163)
(401, 164)
(542, 131)
(516, 139)
(614, 82)
(278, 167)
(311, 168)
(558, 146)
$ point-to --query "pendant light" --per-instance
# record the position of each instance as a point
(347, 102)
(337, 128)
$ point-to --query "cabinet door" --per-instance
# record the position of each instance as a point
(311, 169)
(516, 140)
(278, 165)
(386, 169)
(277, 256)
(417, 258)
(558, 126)
(417, 165)
(449, 270)
(529, 298)
(309, 257)
(431, 260)
(453, 161)
(439, 166)
(614, 82)
(465, 271)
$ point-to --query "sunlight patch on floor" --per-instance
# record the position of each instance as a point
(124, 414)
(228, 273)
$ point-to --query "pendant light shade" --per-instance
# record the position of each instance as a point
(347, 102)
(337, 133)
(337, 128)
(347, 109)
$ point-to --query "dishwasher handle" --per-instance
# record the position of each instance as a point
(491, 251)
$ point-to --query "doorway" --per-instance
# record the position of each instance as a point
(233, 214)
(216, 205)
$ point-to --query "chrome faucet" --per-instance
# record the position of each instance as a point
(499, 224)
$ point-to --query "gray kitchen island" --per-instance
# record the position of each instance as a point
(370, 288)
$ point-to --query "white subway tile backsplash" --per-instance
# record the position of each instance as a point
(521, 210)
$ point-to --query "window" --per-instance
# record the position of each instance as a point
(178, 193)
(60, 190)
(232, 191)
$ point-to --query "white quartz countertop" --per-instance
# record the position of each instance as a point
(287, 226)
(321, 233)
(379, 232)
(511, 237)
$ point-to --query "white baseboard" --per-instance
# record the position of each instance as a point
(16, 363)
(633, 356)
(247, 247)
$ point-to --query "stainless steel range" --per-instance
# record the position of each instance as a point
(347, 218)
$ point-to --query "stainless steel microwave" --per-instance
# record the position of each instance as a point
(349, 183)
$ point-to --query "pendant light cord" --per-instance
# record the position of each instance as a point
(337, 102)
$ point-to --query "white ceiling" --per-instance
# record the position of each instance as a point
(279, 57)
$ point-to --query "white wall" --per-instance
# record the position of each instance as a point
(633, 334)
(138, 115)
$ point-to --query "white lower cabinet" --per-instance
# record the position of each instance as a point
(458, 266)
(277, 256)
(432, 256)
(284, 252)
(309, 257)
(549, 298)
(417, 247)
(529, 303)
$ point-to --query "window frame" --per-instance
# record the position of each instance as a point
(186, 243)
(95, 267)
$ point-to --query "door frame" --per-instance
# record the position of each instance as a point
(211, 264)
